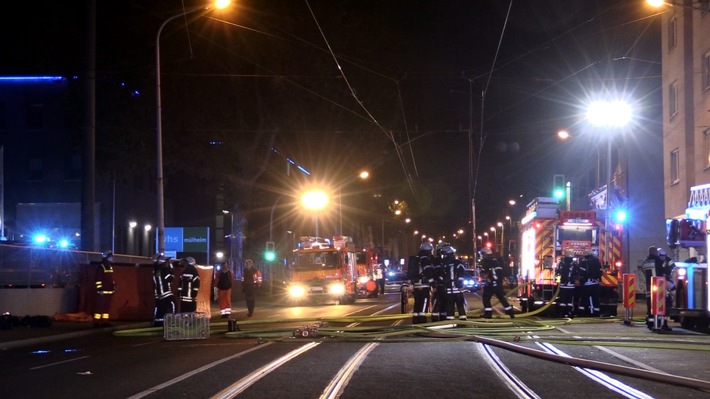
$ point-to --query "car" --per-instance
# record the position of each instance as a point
(472, 279)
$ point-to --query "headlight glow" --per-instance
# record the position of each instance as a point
(336, 289)
(296, 291)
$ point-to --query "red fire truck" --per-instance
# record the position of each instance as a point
(324, 270)
(547, 233)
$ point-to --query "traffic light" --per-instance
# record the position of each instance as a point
(558, 186)
(270, 253)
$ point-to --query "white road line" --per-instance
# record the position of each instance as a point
(241, 385)
(54, 364)
(504, 374)
(601, 378)
(196, 371)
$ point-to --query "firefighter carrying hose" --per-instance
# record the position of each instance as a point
(422, 275)
(492, 269)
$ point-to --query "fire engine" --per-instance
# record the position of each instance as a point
(547, 233)
(687, 237)
(324, 269)
(366, 263)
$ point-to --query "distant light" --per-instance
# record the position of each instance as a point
(63, 243)
(612, 113)
(40, 239)
(132, 224)
(147, 227)
(31, 78)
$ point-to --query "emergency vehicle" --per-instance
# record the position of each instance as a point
(687, 237)
(324, 269)
(366, 262)
(547, 234)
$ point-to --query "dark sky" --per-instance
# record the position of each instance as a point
(409, 75)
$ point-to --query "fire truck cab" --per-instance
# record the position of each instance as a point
(324, 270)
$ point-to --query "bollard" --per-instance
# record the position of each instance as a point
(232, 325)
(629, 291)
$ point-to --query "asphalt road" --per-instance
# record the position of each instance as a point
(374, 353)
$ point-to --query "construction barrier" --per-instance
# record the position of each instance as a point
(629, 290)
(658, 296)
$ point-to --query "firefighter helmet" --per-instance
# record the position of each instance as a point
(448, 250)
(662, 253)
(107, 254)
(486, 251)
(426, 246)
(190, 261)
(159, 259)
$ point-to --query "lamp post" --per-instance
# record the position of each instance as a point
(495, 237)
(231, 234)
(502, 239)
(363, 175)
(608, 114)
(160, 194)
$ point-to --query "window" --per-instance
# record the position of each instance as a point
(675, 166)
(34, 116)
(707, 148)
(672, 33)
(705, 70)
(672, 99)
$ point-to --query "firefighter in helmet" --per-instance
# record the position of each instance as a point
(162, 289)
(189, 286)
(567, 279)
(653, 266)
(454, 273)
(590, 272)
(422, 275)
(105, 287)
(492, 270)
(438, 290)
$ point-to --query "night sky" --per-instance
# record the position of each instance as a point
(340, 85)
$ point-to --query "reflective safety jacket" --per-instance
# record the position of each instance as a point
(189, 284)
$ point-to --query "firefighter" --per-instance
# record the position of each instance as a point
(454, 272)
(379, 275)
(422, 276)
(189, 286)
(251, 280)
(590, 270)
(492, 270)
(105, 287)
(162, 289)
(438, 291)
(565, 273)
(653, 266)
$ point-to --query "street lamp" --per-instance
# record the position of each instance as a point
(502, 239)
(363, 175)
(608, 114)
(231, 234)
(160, 194)
(495, 237)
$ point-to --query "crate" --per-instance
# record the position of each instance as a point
(181, 326)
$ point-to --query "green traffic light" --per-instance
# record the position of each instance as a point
(270, 256)
(559, 193)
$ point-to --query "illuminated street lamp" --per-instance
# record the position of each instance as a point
(160, 194)
(611, 114)
(315, 201)
(502, 238)
(363, 175)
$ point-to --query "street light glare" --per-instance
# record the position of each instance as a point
(221, 4)
(364, 174)
(314, 200)
(655, 3)
(613, 113)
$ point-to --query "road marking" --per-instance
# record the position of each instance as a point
(241, 385)
(54, 364)
(601, 378)
(196, 371)
(504, 374)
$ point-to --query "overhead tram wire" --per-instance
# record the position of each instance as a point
(387, 133)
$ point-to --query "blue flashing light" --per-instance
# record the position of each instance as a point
(302, 169)
(40, 239)
(620, 216)
(31, 78)
(64, 243)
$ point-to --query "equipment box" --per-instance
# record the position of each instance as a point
(178, 326)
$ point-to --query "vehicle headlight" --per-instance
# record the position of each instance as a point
(363, 279)
(336, 289)
(296, 291)
(391, 274)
